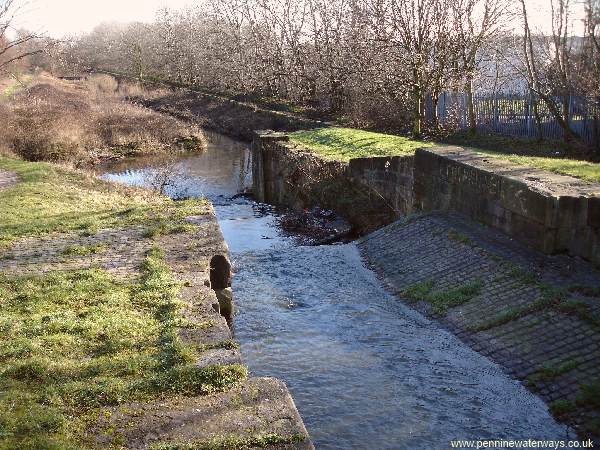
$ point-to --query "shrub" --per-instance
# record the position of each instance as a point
(79, 122)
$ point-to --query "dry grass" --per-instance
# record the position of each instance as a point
(81, 122)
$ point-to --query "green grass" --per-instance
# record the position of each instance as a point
(165, 229)
(442, 300)
(587, 171)
(234, 442)
(343, 144)
(51, 199)
(73, 343)
(84, 250)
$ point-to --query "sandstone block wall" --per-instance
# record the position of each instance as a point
(285, 174)
(391, 177)
(550, 212)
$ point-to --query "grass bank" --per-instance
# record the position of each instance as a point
(343, 144)
(75, 342)
(585, 170)
(51, 199)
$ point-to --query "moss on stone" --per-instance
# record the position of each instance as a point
(233, 442)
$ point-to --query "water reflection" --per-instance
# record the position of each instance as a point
(221, 171)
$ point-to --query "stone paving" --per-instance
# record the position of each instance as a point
(7, 179)
(257, 407)
(538, 316)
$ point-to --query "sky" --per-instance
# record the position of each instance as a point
(67, 17)
(62, 17)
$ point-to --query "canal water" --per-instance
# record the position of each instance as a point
(365, 370)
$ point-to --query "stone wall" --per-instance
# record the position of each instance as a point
(390, 177)
(367, 193)
(550, 212)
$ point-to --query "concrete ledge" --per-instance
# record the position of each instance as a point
(256, 408)
(551, 212)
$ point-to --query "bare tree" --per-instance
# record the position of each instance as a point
(548, 67)
(589, 66)
(420, 29)
(13, 48)
(474, 23)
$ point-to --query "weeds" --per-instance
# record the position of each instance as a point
(518, 273)
(442, 300)
(581, 310)
(549, 373)
(461, 238)
(562, 407)
(588, 291)
(80, 122)
(420, 291)
(590, 394)
(550, 297)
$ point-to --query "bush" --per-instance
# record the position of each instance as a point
(80, 122)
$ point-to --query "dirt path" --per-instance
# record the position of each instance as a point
(8, 179)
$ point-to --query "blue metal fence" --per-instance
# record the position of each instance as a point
(513, 115)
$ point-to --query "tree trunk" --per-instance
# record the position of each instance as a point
(435, 101)
(538, 119)
(417, 125)
(566, 116)
(470, 105)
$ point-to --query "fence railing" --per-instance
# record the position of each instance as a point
(513, 115)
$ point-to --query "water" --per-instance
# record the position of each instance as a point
(365, 370)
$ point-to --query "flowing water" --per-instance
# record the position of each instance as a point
(365, 370)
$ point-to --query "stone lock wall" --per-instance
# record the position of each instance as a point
(369, 192)
(549, 212)
(390, 177)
